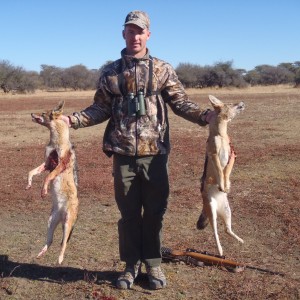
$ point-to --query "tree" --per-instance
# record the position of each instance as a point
(8, 76)
(295, 69)
(79, 78)
(252, 77)
(221, 74)
(188, 74)
(16, 78)
(297, 78)
(51, 77)
(227, 76)
(289, 66)
(270, 75)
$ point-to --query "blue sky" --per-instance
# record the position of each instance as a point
(64, 33)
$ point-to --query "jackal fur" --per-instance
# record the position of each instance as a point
(60, 161)
(219, 162)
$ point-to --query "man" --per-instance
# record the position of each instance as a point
(133, 93)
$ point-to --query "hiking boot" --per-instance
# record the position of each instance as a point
(126, 279)
(157, 279)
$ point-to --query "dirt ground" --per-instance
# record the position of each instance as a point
(264, 199)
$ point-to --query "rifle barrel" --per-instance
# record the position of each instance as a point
(265, 270)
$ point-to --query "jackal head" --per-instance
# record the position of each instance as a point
(225, 112)
(46, 117)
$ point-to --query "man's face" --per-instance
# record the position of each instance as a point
(136, 39)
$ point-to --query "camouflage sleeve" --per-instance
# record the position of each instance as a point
(96, 113)
(174, 94)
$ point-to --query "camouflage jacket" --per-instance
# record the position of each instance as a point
(132, 134)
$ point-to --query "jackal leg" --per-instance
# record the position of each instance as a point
(227, 172)
(218, 171)
(52, 224)
(214, 224)
(38, 170)
(67, 225)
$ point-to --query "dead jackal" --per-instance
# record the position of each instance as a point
(60, 161)
(220, 158)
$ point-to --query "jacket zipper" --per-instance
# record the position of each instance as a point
(136, 114)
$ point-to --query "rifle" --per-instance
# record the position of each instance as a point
(194, 257)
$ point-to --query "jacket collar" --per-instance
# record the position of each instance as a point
(130, 60)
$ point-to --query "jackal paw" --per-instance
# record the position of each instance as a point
(227, 187)
(28, 187)
(43, 251)
(44, 192)
(222, 189)
(226, 190)
(60, 259)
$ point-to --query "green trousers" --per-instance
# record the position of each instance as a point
(141, 190)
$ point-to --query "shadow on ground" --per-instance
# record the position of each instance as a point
(52, 274)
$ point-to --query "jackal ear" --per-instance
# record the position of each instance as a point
(215, 102)
(57, 111)
(59, 108)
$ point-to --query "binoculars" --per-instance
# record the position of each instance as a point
(136, 104)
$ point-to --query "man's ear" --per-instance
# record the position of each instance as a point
(149, 33)
(123, 34)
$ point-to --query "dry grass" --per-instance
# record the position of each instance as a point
(264, 199)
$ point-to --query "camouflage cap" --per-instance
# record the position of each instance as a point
(138, 18)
